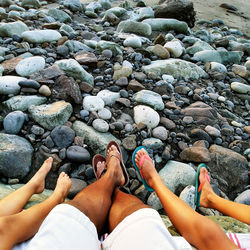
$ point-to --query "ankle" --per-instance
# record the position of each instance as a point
(154, 180)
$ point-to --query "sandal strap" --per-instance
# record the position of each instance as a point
(101, 172)
(113, 154)
(143, 159)
(207, 178)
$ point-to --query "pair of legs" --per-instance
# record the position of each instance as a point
(17, 226)
(103, 198)
(209, 199)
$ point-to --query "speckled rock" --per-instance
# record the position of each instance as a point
(16, 155)
(41, 36)
(51, 115)
(93, 103)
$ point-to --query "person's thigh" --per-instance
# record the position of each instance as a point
(143, 229)
(65, 227)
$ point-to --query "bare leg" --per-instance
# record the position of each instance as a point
(195, 228)
(123, 205)
(95, 200)
(22, 226)
(209, 199)
(14, 202)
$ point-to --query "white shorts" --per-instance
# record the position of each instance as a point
(67, 228)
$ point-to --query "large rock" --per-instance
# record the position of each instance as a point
(195, 154)
(9, 84)
(199, 46)
(74, 5)
(150, 98)
(59, 15)
(97, 141)
(146, 115)
(176, 67)
(224, 57)
(51, 115)
(31, 4)
(108, 96)
(67, 89)
(114, 47)
(240, 87)
(15, 154)
(202, 113)
(41, 36)
(30, 65)
(139, 28)
(10, 29)
(13, 122)
(176, 176)
(72, 68)
(180, 9)
(229, 168)
(165, 24)
(22, 102)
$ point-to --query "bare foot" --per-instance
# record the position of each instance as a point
(38, 180)
(63, 186)
(114, 166)
(100, 168)
(148, 170)
(206, 191)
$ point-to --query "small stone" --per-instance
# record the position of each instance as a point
(168, 124)
(152, 143)
(36, 130)
(44, 90)
(135, 86)
(160, 51)
(160, 133)
(63, 136)
(93, 103)
(41, 36)
(78, 154)
(195, 154)
(134, 42)
(100, 125)
(240, 87)
(213, 131)
(104, 114)
(13, 122)
(146, 115)
(129, 143)
(108, 96)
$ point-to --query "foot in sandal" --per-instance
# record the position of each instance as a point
(113, 163)
(147, 169)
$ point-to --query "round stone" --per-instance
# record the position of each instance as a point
(160, 133)
(36, 130)
(152, 143)
(84, 113)
(100, 125)
(77, 154)
(30, 65)
(104, 114)
(63, 136)
(213, 131)
(93, 103)
(108, 96)
(134, 42)
(45, 90)
(13, 122)
(146, 115)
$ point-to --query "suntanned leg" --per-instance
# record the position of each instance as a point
(198, 230)
(123, 205)
(95, 200)
(22, 226)
(209, 199)
(14, 202)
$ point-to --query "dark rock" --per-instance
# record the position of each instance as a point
(78, 154)
(168, 124)
(77, 186)
(195, 154)
(29, 84)
(135, 86)
(67, 89)
(13, 122)
(229, 168)
(202, 113)
(47, 74)
(63, 136)
(15, 154)
(199, 134)
(228, 6)
(129, 143)
(177, 9)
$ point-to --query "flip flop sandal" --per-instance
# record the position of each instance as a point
(198, 185)
(139, 168)
(119, 157)
(100, 171)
